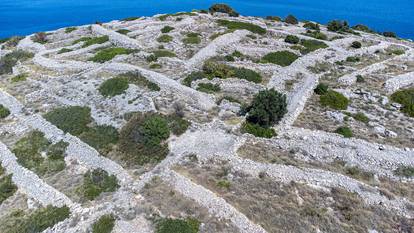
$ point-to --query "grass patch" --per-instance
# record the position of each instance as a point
(64, 50)
(29, 149)
(70, 29)
(96, 182)
(167, 29)
(163, 53)
(37, 221)
(8, 61)
(139, 80)
(214, 69)
(257, 130)
(19, 78)
(196, 75)
(344, 131)
(100, 137)
(234, 25)
(312, 45)
(114, 86)
(165, 38)
(72, 119)
(7, 188)
(361, 117)
(316, 34)
(405, 171)
(123, 31)
(109, 53)
(192, 38)
(169, 225)
(406, 99)
(4, 112)
(208, 88)
(353, 59)
(105, 224)
(334, 100)
(155, 66)
(88, 41)
(321, 89)
(282, 58)
(130, 18)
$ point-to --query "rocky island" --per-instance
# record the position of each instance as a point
(207, 121)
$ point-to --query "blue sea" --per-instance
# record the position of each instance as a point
(22, 17)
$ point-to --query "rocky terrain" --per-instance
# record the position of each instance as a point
(137, 125)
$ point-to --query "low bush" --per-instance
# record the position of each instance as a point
(114, 86)
(96, 182)
(123, 31)
(192, 38)
(40, 38)
(338, 26)
(353, 59)
(214, 69)
(223, 8)
(267, 108)
(72, 119)
(11, 42)
(282, 58)
(100, 137)
(167, 29)
(360, 78)
(234, 25)
(405, 171)
(29, 149)
(163, 53)
(64, 50)
(273, 18)
(321, 89)
(109, 53)
(196, 75)
(7, 188)
(291, 39)
(311, 26)
(363, 28)
(312, 45)
(290, 19)
(317, 35)
(344, 131)
(4, 112)
(169, 225)
(389, 34)
(361, 117)
(397, 51)
(8, 61)
(224, 184)
(177, 124)
(406, 99)
(139, 80)
(257, 130)
(88, 41)
(356, 45)
(105, 224)
(247, 74)
(155, 66)
(70, 29)
(165, 38)
(130, 18)
(334, 100)
(208, 87)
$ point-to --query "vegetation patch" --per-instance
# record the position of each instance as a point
(114, 86)
(101, 137)
(165, 38)
(4, 112)
(234, 25)
(290, 19)
(406, 99)
(72, 119)
(192, 38)
(7, 187)
(88, 41)
(139, 80)
(196, 75)
(334, 100)
(361, 117)
(344, 131)
(8, 61)
(123, 31)
(223, 8)
(70, 29)
(257, 130)
(96, 182)
(356, 45)
(109, 53)
(213, 69)
(312, 45)
(311, 26)
(30, 148)
(338, 26)
(316, 34)
(40, 38)
(321, 89)
(64, 50)
(405, 171)
(169, 225)
(208, 87)
(105, 224)
(291, 39)
(282, 58)
(167, 29)
(130, 18)
(163, 53)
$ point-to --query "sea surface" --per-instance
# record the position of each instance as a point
(23, 17)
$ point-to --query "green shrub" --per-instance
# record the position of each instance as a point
(334, 100)
(214, 69)
(291, 39)
(167, 29)
(108, 54)
(7, 188)
(234, 25)
(389, 34)
(356, 45)
(360, 78)
(10, 42)
(353, 59)
(267, 108)
(40, 38)
(208, 87)
(169, 225)
(192, 38)
(4, 112)
(64, 50)
(282, 58)
(229, 58)
(155, 66)
(72, 119)
(406, 99)
(100, 137)
(290, 19)
(405, 171)
(223, 184)
(163, 53)
(105, 224)
(363, 28)
(130, 18)
(164, 39)
(97, 182)
(123, 31)
(273, 18)
(247, 74)
(361, 117)
(114, 86)
(8, 61)
(312, 45)
(317, 35)
(196, 75)
(344, 131)
(311, 26)
(321, 89)
(397, 51)
(338, 26)
(257, 130)
(70, 29)
(88, 41)
(223, 8)
(177, 125)
(139, 80)
(28, 151)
